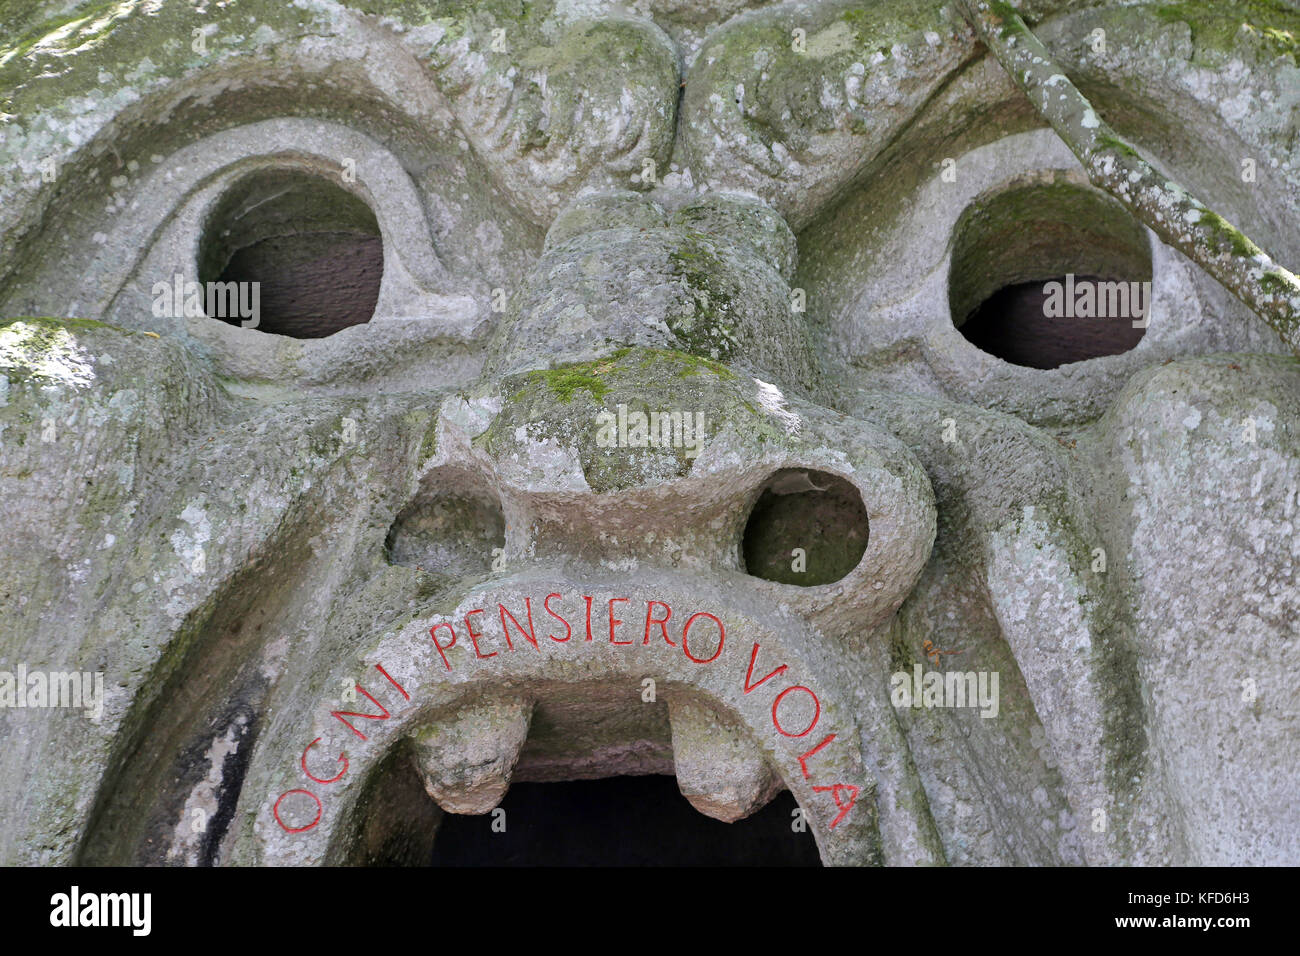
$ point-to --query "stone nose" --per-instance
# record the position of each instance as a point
(705, 275)
(655, 463)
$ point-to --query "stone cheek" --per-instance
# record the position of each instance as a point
(1208, 454)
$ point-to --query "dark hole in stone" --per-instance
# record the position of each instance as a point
(1013, 325)
(313, 247)
(820, 513)
(1007, 248)
(620, 821)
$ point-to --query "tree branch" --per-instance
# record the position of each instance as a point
(1177, 217)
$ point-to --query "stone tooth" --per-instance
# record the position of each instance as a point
(719, 768)
(467, 759)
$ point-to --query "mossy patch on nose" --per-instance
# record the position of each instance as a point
(565, 382)
(595, 407)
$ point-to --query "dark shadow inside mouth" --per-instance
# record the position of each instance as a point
(1013, 324)
(620, 821)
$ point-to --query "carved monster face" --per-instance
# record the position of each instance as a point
(645, 388)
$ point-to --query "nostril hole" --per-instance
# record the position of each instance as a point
(313, 247)
(1045, 275)
(806, 528)
(453, 526)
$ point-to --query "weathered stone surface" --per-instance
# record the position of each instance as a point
(710, 281)
(1208, 458)
(539, 514)
(792, 102)
(551, 103)
(467, 760)
(718, 769)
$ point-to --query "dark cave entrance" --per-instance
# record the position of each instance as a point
(620, 821)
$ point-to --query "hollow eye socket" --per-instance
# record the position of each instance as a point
(806, 528)
(1045, 275)
(313, 248)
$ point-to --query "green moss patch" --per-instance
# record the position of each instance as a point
(1277, 283)
(880, 25)
(1216, 25)
(567, 380)
(1119, 146)
(710, 329)
(1224, 235)
(1009, 18)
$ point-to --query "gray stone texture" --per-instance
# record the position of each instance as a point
(729, 209)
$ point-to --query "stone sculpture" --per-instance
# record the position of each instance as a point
(602, 407)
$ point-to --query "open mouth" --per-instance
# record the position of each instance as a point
(623, 821)
(594, 785)
(569, 687)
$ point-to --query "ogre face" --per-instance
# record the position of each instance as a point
(442, 396)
